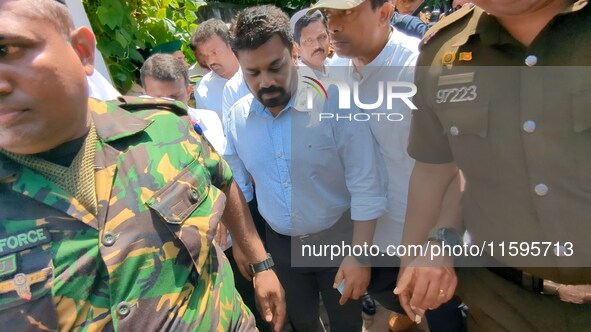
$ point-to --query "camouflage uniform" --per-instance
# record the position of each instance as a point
(146, 261)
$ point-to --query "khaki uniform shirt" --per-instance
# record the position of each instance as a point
(517, 121)
(146, 262)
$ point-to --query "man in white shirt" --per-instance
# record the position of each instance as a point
(314, 179)
(312, 41)
(371, 52)
(210, 44)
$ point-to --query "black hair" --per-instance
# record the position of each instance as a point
(306, 20)
(254, 26)
(164, 67)
(207, 30)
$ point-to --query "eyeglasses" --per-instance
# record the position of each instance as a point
(323, 38)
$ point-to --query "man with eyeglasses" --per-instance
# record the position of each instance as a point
(311, 40)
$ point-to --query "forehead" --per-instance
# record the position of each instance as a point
(21, 19)
(315, 27)
(155, 86)
(214, 42)
(264, 55)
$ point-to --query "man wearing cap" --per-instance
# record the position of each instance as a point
(312, 41)
(106, 216)
(521, 136)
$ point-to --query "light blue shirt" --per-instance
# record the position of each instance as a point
(308, 171)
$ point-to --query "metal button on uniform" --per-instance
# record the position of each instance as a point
(454, 131)
(541, 189)
(109, 239)
(123, 309)
(531, 60)
(194, 194)
(529, 126)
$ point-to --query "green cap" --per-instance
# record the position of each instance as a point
(337, 4)
(167, 48)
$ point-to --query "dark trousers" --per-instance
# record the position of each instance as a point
(243, 286)
(446, 318)
(302, 286)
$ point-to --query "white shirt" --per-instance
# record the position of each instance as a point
(319, 74)
(234, 89)
(208, 94)
(100, 88)
(396, 62)
(211, 126)
(307, 172)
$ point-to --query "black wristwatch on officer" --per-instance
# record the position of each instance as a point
(262, 266)
(445, 235)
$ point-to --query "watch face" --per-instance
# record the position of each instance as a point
(450, 236)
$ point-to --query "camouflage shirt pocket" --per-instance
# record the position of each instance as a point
(177, 200)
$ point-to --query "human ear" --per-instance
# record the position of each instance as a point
(82, 40)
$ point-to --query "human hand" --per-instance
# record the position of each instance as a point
(270, 298)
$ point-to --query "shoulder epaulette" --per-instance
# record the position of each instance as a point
(133, 104)
(446, 21)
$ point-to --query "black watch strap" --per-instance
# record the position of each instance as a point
(262, 266)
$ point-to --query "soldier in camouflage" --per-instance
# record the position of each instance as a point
(107, 217)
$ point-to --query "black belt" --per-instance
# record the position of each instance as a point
(520, 278)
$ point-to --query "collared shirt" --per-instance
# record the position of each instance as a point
(307, 172)
(396, 62)
(208, 94)
(211, 125)
(521, 133)
(319, 74)
(145, 259)
(234, 89)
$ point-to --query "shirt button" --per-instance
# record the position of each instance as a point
(194, 194)
(279, 154)
(531, 60)
(123, 309)
(286, 185)
(109, 239)
(529, 126)
(454, 131)
(541, 189)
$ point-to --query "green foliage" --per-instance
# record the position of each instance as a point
(127, 29)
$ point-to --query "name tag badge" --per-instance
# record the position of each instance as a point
(10, 243)
(22, 286)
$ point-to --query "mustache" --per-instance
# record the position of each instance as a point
(271, 89)
(318, 50)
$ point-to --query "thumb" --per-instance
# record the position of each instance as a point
(266, 310)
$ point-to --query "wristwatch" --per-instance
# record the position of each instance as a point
(262, 266)
(449, 236)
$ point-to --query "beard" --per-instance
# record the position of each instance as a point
(282, 97)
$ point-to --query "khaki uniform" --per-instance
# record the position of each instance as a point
(517, 121)
(145, 261)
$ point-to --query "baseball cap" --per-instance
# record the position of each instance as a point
(337, 4)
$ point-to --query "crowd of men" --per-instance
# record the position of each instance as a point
(337, 127)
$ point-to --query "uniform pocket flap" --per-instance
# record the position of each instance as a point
(179, 198)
